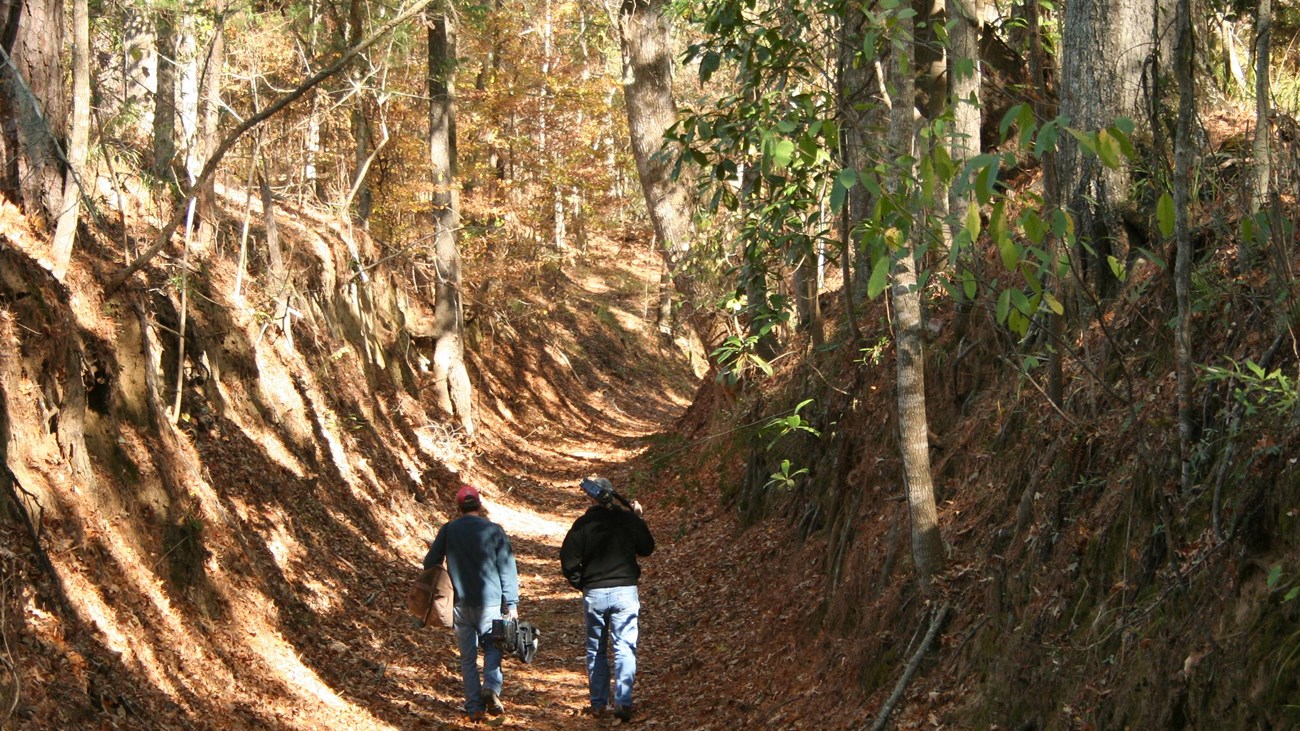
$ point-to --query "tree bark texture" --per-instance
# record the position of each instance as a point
(1104, 47)
(65, 231)
(964, 90)
(207, 138)
(164, 112)
(1263, 113)
(651, 111)
(139, 68)
(864, 107)
(33, 106)
(451, 380)
(913, 425)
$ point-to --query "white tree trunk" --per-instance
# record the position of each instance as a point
(78, 141)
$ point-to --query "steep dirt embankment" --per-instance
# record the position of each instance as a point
(1087, 589)
(240, 561)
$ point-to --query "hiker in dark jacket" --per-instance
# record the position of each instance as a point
(599, 558)
(482, 569)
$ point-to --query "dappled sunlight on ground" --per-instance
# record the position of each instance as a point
(250, 570)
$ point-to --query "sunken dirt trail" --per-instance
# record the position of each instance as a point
(533, 467)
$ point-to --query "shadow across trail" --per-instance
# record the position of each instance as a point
(589, 400)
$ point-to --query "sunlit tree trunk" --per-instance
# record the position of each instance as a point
(33, 105)
(209, 119)
(139, 67)
(651, 110)
(187, 95)
(451, 380)
(1234, 74)
(964, 93)
(1263, 158)
(805, 281)
(927, 546)
(78, 141)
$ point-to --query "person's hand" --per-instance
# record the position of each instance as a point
(512, 613)
(636, 507)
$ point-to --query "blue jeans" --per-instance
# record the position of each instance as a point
(611, 614)
(473, 628)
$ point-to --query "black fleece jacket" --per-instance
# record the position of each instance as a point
(600, 549)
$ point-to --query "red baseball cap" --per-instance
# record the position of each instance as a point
(467, 494)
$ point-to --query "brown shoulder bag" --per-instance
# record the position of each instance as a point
(432, 596)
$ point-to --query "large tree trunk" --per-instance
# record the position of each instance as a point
(362, 130)
(139, 68)
(451, 380)
(164, 112)
(913, 425)
(187, 95)
(210, 118)
(33, 105)
(651, 111)
(1104, 47)
(78, 142)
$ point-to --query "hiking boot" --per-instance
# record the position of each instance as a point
(595, 711)
(475, 717)
(623, 713)
(492, 702)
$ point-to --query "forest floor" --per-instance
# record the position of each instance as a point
(308, 630)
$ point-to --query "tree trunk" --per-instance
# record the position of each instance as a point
(864, 106)
(362, 130)
(807, 303)
(33, 106)
(1184, 59)
(1038, 73)
(78, 141)
(187, 94)
(964, 93)
(1263, 159)
(651, 110)
(451, 380)
(206, 142)
(927, 546)
(139, 68)
(164, 113)
(1104, 47)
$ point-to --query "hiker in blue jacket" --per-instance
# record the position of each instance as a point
(599, 558)
(482, 569)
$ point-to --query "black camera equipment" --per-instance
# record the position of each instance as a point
(515, 637)
(602, 494)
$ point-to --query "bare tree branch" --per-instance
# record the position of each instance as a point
(209, 168)
(883, 719)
